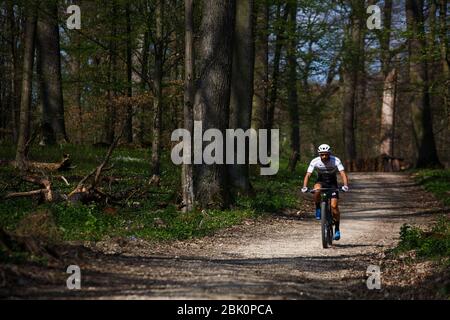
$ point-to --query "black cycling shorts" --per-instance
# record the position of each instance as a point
(335, 193)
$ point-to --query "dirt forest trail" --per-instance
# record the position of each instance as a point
(279, 257)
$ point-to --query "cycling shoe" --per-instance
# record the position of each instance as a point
(337, 235)
(318, 215)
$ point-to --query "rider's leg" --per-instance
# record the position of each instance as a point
(317, 200)
(317, 194)
(335, 212)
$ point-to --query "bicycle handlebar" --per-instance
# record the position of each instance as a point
(323, 189)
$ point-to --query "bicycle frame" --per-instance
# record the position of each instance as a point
(327, 218)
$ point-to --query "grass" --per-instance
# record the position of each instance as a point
(433, 243)
(153, 216)
(436, 181)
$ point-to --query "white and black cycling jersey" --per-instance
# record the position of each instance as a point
(326, 171)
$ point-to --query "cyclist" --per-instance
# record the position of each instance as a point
(327, 167)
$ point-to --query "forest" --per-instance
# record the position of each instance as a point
(91, 92)
(135, 69)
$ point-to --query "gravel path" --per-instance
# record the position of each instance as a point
(277, 257)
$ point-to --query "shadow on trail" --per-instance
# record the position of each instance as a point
(348, 246)
(190, 276)
(385, 185)
(393, 216)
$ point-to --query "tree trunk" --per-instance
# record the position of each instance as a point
(432, 32)
(389, 76)
(443, 29)
(157, 94)
(385, 38)
(75, 70)
(280, 37)
(27, 82)
(242, 88)
(261, 66)
(14, 71)
(5, 98)
(129, 114)
(292, 85)
(49, 59)
(212, 98)
(78, 90)
(110, 118)
(352, 65)
(143, 83)
(387, 114)
(420, 98)
(273, 90)
(445, 61)
(189, 92)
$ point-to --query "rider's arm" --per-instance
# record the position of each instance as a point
(344, 177)
(305, 181)
(341, 169)
(309, 171)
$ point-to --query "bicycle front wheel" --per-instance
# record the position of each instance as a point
(330, 233)
(324, 224)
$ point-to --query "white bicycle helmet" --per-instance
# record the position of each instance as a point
(324, 148)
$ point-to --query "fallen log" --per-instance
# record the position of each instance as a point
(63, 165)
(87, 190)
(84, 192)
(45, 194)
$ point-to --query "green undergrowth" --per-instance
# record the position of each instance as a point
(432, 243)
(436, 181)
(151, 215)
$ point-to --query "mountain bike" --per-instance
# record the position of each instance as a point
(326, 216)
